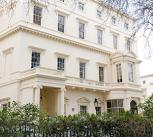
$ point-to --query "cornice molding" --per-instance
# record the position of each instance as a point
(118, 56)
(22, 28)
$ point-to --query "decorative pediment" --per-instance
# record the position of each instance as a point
(83, 100)
(42, 3)
(66, 99)
(100, 101)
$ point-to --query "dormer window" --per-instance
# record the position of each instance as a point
(99, 13)
(128, 44)
(144, 82)
(126, 25)
(113, 19)
(81, 6)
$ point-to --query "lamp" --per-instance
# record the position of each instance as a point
(96, 105)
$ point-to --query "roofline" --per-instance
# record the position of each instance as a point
(145, 76)
(116, 10)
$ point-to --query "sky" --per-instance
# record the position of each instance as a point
(146, 66)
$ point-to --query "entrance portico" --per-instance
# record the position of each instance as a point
(52, 100)
(46, 90)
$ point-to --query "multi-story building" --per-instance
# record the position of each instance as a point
(68, 57)
(147, 84)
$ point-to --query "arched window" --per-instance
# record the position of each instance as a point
(133, 107)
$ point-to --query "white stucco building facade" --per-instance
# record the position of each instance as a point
(65, 55)
(147, 85)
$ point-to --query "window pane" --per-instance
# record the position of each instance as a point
(37, 15)
(99, 13)
(101, 74)
(83, 109)
(81, 6)
(61, 20)
(35, 59)
(115, 105)
(119, 72)
(128, 44)
(60, 63)
(126, 25)
(99, 36)
(120, 103)
(130, 72)
(115, 41)
(82, 70)
(109, 104)
(81, 30)
(113, 20)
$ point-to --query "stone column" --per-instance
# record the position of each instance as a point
(127, 101)
(124, 72)
(61, 101)
(36, 95)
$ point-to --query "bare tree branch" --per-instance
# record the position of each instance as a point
(142, 10)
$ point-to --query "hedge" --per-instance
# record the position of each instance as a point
(29, 121)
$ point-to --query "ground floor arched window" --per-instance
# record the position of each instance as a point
(133, 107)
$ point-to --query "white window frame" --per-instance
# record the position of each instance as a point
(113, 20)
(62, 68)
(103, 75)
(35, 49)
(83, 102)
(126, 25)
(83, 70)
(115, 41)
(128, 44)
(62, 24)
(64, 56)
(130, 72)
(119, 74)
(100, 36)
(37, 64)
(81, 6)
(37, 18)
(116, 107)
(85, 109)
(99, 13)
(82, 30)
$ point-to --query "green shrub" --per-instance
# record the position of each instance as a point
(29, 121)
(147, 107)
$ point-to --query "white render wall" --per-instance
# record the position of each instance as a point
(73, 15)
(148, 85)
(50, 55)
(16, 48)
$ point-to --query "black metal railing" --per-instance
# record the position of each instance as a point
(101, 129)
